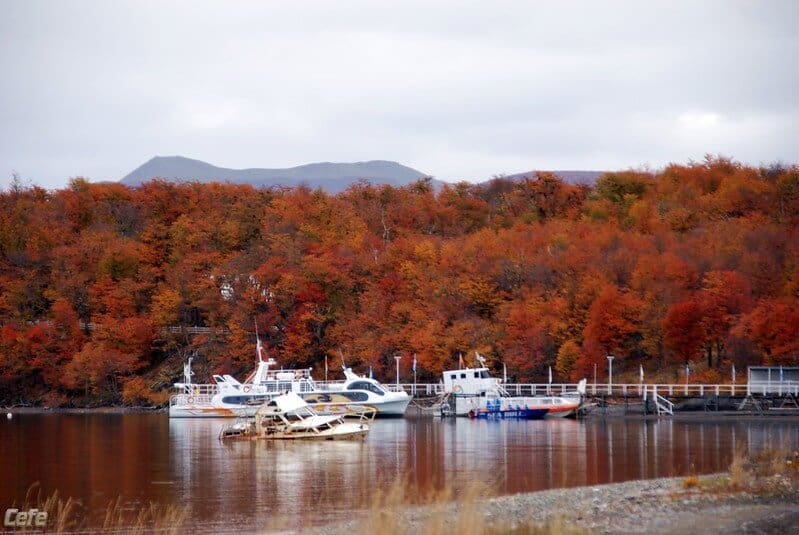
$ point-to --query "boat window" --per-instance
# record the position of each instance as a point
(484, 374)
(240, 400)
(355, 396)
(364, 385)
(463, 376)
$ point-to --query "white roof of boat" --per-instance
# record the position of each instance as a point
(312, 422)
(289, 402)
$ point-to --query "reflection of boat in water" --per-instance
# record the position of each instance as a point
(227, 397)
(476, 393)
(289, 417)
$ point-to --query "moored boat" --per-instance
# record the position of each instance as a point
(476, 393)
(227, 397)
(289, 417)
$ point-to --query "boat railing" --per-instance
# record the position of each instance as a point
(293, 374)
(183, 400)
(196, 389)
(331, 385)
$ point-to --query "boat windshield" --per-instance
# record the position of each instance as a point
(366, 385)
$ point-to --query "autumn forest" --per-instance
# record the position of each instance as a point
(106, 290)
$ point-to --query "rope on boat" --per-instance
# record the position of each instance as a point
(431, 405)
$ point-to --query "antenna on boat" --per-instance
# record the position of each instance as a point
(341, 353)
(258, 347)
(480, 359)
(187, 373)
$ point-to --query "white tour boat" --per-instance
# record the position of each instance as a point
(289, 417)
(227, 397)
(476, 393)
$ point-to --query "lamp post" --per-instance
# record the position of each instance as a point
(413, 388)
(610, 374)
(397, 358)
(687, 373)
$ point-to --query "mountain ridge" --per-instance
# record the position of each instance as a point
(332, 177)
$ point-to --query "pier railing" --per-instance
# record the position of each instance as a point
(784, 388)
(619, 389)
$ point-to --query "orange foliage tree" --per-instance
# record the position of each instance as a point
(101, 284)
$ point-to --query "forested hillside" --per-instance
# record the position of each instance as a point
(99, 283)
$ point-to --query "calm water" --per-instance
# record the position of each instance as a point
(146, 457)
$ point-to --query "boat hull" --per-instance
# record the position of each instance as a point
(388, 408)
(335, 434)
(508, 414)
(182, 408)
(549, 407)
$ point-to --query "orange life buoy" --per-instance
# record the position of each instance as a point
(457, 389)
(246, 388)
(190, 400)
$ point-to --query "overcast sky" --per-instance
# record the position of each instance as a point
(459, 90)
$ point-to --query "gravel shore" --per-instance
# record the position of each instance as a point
(648, 506)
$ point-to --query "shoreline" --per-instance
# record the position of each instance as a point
(611, 412)
(82, 410)
(662, 506)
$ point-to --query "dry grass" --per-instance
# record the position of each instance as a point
(690, 482)
(69, 515)
(147, 519)
(384, 515)
(767, 471)
(447, 511)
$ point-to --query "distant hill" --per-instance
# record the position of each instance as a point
(571, 177)
(331, 177)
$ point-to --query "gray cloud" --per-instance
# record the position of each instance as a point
(461, 90)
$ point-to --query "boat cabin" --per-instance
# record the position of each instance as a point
(469, 381)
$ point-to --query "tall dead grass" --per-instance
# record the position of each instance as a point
(69, 515)
(771, 469)
(445, 511)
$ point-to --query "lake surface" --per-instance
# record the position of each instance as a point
(249, 486)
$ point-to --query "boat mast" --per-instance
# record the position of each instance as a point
(258, 347)
(263, 365)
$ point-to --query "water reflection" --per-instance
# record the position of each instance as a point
(252, 485)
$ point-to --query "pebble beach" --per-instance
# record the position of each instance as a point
(656, 506)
